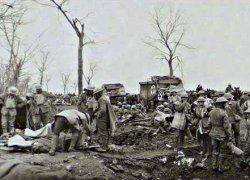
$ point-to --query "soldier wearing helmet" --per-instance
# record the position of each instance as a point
(42, 107)
(201, 115)
(105, 119)
(11, 101)
(220, 133)
(86, 101)
(235, 114)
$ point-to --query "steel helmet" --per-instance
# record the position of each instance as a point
(98, 90)
(201, 99)
(13, 90)
(30, 95)
(201, 92)
(184, 95)
(90, 88)
(133, 107)
(228, 96)
(221, 100)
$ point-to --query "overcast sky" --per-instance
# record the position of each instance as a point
(218, 29)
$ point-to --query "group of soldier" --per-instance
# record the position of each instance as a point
(92, 104)
(216, 121)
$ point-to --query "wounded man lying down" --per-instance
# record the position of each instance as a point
(73, 120)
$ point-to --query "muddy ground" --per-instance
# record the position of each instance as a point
(135, 154)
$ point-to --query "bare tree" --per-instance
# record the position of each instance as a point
(3, 77)
(91, 73)
(65, 81)
(169, 39)
(42, 65)
(79, 28)
(19, 53)
(47, 81)
(74, 86)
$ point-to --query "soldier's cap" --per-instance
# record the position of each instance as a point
(201, 99)
(221, 100)
(228, 96)
(201, 92)
(38, 87)
(119, 104)
(89, 88)
(247, 111)
(98, 90)
(184, 95)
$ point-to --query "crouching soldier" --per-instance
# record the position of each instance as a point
(72, 120)
(220, 133)
(105, 119)
(11, 101)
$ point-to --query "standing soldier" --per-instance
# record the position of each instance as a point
(105, 119)
(187, 110)
(220, 132)
(202, 130)
(42, 109)
(86, 101)
(235, 114)
(11, 101)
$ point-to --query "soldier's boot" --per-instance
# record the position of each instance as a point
(73, 142)
(54, 141)
(215, 162)
(221, 169)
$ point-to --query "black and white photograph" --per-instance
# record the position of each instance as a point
(124, 89)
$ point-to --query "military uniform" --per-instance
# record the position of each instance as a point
(9, 112)
(203, 129)
(42, 109)
(72, 120)
(220, 133)
(105, 120)
(235, 113)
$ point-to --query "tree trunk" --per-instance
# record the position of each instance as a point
(170, 65)
(80, 64)
(41, 80)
